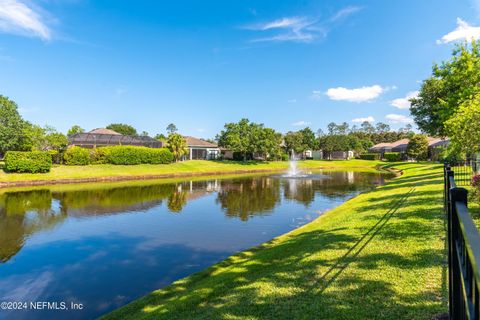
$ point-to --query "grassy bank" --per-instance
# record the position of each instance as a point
(181, 168)
(380, 255)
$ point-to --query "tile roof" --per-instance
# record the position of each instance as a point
(195, 142)
(402, 143)
(104, 131)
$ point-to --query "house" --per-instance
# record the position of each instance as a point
(102, 137)
(401, 146)
(341, 155)
(201, 150)
(381, 148)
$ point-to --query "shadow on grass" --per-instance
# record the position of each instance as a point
(383, 258)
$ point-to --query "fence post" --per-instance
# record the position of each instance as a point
(457, 307)
(449, 173)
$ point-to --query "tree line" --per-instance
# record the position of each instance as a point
(18, 134)
(244, 138)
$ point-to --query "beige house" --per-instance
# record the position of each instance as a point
(200, 149)
(401, 145)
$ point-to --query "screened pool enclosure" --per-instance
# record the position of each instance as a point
(92, 140)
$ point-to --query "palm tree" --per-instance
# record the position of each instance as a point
(177, 145)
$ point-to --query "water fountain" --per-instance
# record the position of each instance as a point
(293, 171)
(292, 165)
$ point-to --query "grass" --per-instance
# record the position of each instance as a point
(380, 255)
(180, 168)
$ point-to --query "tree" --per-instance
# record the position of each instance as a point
(334, 128)
(269, 143)
(177, 145)
(451, 83)
(308, 139)
(294, 141)
(464, 127)
(367, 127)
(74, 130)
(171, 128)
(160, 137)
(417, 147)
(382, 127)
(237, 137)
(12, 126)
(43, 139)
(122, 128)
(55, 141)
(334, 142)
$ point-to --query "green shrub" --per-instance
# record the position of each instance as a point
(33, 161)
(285, 157)
(129, 155)
(57, 157)
(392, 156)
(370, 156)
(76, 156)
(99, 155)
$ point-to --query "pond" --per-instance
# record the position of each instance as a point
(101, 246)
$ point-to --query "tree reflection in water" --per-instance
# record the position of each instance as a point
(25, 213)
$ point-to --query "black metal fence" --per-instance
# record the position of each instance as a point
(464, 171)
(463, 251)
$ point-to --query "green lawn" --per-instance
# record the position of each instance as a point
(180, 168)
(380, 255)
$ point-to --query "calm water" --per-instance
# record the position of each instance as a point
(106, 245)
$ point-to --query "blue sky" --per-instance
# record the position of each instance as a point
(200, 64)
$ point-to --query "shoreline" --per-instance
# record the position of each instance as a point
(409, 205)
(32, 183)
(216, 172)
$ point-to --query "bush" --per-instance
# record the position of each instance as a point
(99, 155)
(57, 157)
(129, 155)
(76, 156)
(285, 157)
(392, 156)
(33, 162)
(370, 156)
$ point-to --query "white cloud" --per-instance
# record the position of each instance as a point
(362, 94)
(464, 31)
(300, 123)
(404, 103)
(398, 118)
(293, 22)
(299, 28)
(295, 29)
(201, 130)
(292, 101)
(344, 13)
(19, 18)
(367, 119)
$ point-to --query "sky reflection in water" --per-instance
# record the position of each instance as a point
(106, 245)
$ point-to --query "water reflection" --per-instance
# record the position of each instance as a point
(105, 245)
(24, 213)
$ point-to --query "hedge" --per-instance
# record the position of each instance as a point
(392, 156)
(33, 161)
(57, 157)
(370, 156)
(76, 156)
(129, 155)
